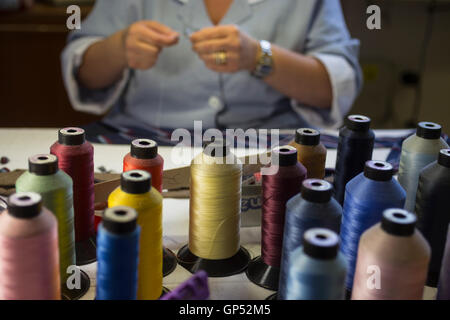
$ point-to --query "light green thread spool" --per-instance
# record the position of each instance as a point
(55, 187)
(418, 151)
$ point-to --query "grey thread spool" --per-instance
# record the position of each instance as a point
(418, 151)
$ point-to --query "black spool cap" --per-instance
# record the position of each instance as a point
(25, 205)
(444, 158)
(307, 137)
(43, 164)
(428, 130)
(284, 156)
(136, 181)
(358, 123)
(217, 148)
(398, 222)
(317, 190)
(144, 149)
(320, 243)
(71, 136)
(378, 170)
(119, 219)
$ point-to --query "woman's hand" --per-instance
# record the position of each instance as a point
(144, 40)
(240, 49)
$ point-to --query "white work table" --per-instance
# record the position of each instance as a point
(19, 144)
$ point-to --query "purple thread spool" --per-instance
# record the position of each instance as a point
(195, 288)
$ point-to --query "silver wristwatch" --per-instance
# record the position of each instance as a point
(264, 64)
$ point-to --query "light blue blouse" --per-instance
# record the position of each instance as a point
(180, 89)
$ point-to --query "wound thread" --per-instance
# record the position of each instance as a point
(29, 260)
(76, 158)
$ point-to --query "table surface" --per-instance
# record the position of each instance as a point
(19, 144)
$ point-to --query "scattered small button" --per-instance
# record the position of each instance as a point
(4, 160)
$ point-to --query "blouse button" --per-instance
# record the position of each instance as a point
(215, 103)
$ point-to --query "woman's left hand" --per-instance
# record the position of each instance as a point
(225, 48)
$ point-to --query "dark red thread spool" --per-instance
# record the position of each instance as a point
(284, 181)
(144, 156)
(76, 158)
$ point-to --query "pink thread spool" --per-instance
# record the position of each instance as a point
(393, 259)
(29, 258)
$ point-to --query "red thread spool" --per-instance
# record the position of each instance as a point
(144, 156)
(76, 158)
(277, 189)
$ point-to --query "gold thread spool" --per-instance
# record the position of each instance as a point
(310, 152)
(136, 192)
(215, 204)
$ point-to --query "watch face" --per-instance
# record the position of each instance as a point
(265, 45)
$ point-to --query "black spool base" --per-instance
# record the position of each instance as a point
(75, 294)
(214, 268)
(273, 296)
(169, 261)
(432, 279)
(86, 251)
(262, 274)
(164, 291)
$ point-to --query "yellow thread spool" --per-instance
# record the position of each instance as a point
(136, 192)
(310, 152)
(215, 204)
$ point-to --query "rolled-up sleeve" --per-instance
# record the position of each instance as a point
(329, 41)
(107, 17)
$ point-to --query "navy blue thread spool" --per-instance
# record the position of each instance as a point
(432, 209)
(317, 270)
(367, 196)
(117, 254)
(314, 207)
(354, 149)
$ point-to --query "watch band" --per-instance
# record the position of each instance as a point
(264, 64)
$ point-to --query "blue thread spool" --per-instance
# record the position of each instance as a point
(354, 149)
(432, 209)
(117, 254)
(317, 270)
(366, 197)
(314, 207)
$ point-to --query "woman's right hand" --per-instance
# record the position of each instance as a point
(144, 40)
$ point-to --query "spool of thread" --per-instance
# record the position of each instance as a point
(392, 259)
(29, 261)
(144, 156)
(366, 197)
(354, 149)
(314, 207)
(55, 188)
(277, 189)
(135, 191)
(317, 269)
(310, 152)
(418, 151)
(76, 158)
(444, 279)
(214, 214)
(432, 209)
(215, 204)
(118, 253)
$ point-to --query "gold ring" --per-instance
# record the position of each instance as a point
(221, 57)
